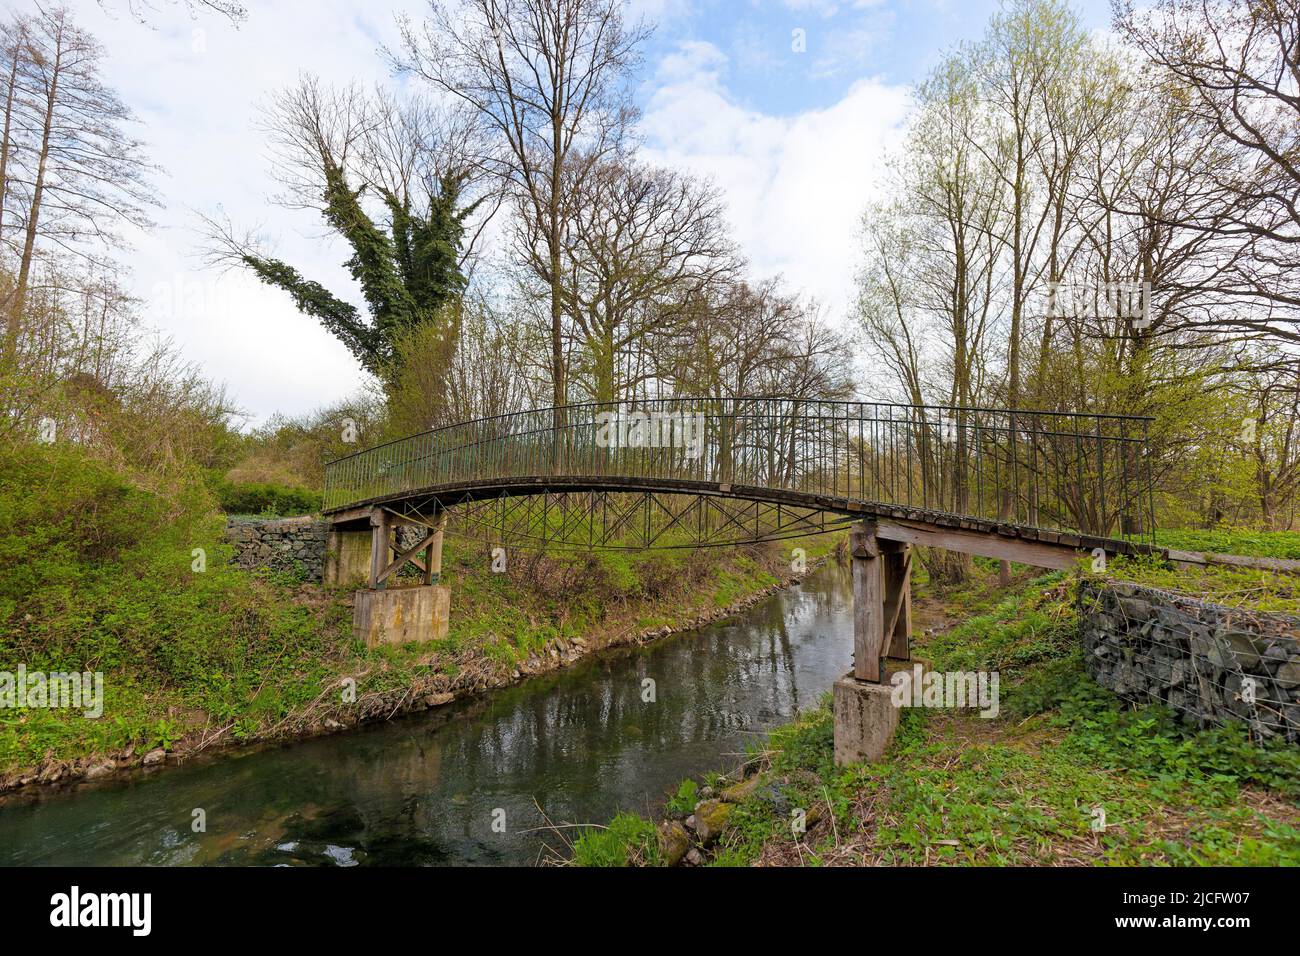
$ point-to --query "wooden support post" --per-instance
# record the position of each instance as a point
(868, 602)
(403, 556)
(897, 560)
(433, 553)
(379, 547)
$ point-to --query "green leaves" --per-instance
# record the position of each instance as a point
(339, 318)
(258, 498)
(684, 800)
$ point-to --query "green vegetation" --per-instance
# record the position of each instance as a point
(266, 499)
(406, 261)
(998, 271)
(98, 574)
(1029, 786)
(629, 840)
(1258, 590)
(1264, 544)
(684, 800)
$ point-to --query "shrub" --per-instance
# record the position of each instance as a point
(684, 800)
(98, 574)
(266, 499)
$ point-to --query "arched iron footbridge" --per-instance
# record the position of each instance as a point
(689, 472)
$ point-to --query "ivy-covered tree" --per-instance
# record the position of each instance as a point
(408, 251)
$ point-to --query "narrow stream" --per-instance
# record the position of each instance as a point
(436, 788)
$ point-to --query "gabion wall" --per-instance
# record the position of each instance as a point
(281, 544)
(1210, 663)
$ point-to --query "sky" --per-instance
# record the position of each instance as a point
(787, 106)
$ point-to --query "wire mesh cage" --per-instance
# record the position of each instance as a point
(1211, 664)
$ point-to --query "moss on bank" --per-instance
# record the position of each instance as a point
(1066, 774)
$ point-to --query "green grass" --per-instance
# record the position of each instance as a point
(1256, 590)
(99, 575)
(629, 839)
(954, 794)
(1267, 544)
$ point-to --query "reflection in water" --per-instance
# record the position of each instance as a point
(579, 744)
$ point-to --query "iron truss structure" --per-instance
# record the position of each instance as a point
(620, 520)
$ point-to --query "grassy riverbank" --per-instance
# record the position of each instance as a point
(100, 574)
(1028, 787)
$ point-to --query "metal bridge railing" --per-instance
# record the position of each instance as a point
(1062, 471)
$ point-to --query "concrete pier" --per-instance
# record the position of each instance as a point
(402, 615)
(865, 720)
(865, 717)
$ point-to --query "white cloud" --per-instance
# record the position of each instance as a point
(827, 8)
(796, 185)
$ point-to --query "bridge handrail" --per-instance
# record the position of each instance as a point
(742, 398)
(1043, 468)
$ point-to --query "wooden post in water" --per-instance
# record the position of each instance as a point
(868, 602)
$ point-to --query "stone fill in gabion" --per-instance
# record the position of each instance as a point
(1210, 663)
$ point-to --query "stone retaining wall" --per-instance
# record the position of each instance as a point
(1209, 663)
(280, 544)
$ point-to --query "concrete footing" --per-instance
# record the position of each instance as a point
(865, 720)
(402, 615)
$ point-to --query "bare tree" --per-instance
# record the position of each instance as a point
(67, 154)
(739, 341)
(955, 203)
(547, 77)
(232, 10)
(1239, 65)
(638, 241)
(13, 47)
(895, 330)
(484, 376)
(1275, 442)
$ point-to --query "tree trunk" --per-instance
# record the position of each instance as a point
(4, 145)
(29, 242)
